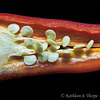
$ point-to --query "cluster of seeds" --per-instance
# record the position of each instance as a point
(33, 50)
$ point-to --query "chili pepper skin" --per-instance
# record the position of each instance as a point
(78, 32)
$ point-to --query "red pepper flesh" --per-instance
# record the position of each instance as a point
(78, 32)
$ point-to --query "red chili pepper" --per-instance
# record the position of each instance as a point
(78, 33)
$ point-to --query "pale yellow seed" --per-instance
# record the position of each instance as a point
(30, 43)
(65, 41)
(64, 51)
(89, 45)
(13, 28)
(30, 60)
(26, 31)
(57, 47)
(50, 34)
(53, 48)
(39, 47)
(51, 42)
(43, 57)
(45, 45)
(53, 56)
(79, 46)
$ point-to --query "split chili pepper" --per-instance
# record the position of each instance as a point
(75, 46)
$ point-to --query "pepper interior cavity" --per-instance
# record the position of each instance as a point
(33, 50)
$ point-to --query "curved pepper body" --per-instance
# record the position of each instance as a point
(78, 32)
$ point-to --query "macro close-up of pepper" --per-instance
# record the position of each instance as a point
(68, 47)
(72, 47)
(53, 51)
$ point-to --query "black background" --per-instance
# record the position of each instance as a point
(52, 86)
